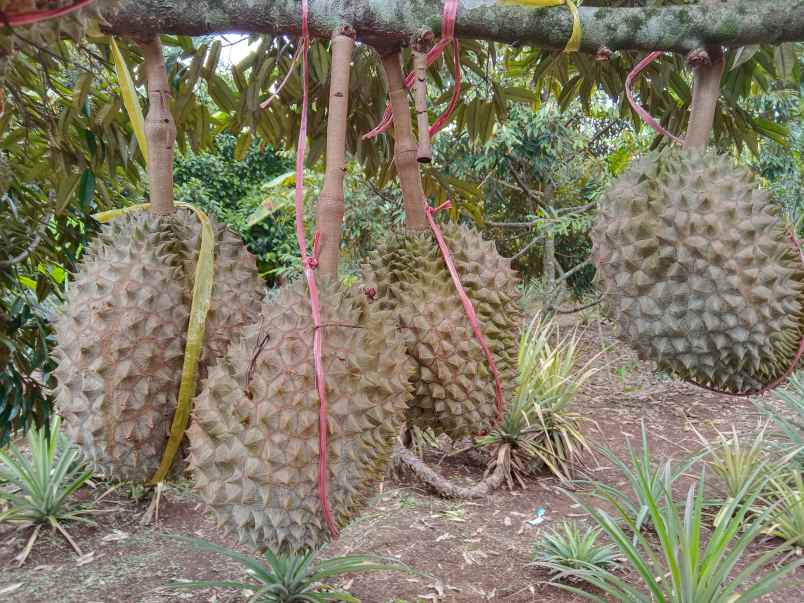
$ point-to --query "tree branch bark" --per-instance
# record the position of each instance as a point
(331, 202)
(388, 23)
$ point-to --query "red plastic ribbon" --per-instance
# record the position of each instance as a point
(447, 39)
(310, 263)
(789, 370)
(639, 109)
(467, 303)
(15, 20)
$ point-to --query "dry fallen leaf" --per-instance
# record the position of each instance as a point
(11, 588)
(115, 536)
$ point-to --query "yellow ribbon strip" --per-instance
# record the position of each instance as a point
(574, 43)
(199, 308)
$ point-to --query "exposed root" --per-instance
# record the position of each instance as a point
(151, 515)
(497, 473)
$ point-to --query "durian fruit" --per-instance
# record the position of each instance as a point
(254, 440)
(454, 391)
(699, 273)
(122, 331)
(238, 289)
(121, 337)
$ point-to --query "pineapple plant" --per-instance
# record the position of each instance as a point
(699, 271)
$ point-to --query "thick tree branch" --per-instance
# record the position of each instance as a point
(385, 23)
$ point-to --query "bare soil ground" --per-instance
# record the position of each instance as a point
(465, 550)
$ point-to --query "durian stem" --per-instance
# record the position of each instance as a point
(448, 489)
(405, 148)
(331, 202)
(160, 130)
(425, 149)
(709, 66)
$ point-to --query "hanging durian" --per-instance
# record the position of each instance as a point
(121, 332)
(255, 439)
(453, 387)
(698, 269)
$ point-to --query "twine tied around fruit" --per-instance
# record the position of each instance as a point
(638, 108)
(310, 263)
(29, 18)
(468, 307)
(448, 39)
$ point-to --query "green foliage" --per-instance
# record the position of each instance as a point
(538, 424)
(785, 497)
(37, 491)
(573, 546)
(647, 483)
(540, 176)
(789, 423)
(734, 460)
(686, 563)
(292, 579)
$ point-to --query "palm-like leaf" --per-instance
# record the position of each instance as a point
(291, 579)
(685, 566)
(38, 489)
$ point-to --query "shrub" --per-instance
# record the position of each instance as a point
(291, 579)
(38, 490)
(685, 564)
(538, 424)
(573, 547)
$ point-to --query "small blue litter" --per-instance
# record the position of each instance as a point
(539, 519)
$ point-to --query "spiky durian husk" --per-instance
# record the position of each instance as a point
(454, 390)
(238, 289)
(699, 272)
(162, 251)
(121, 335)
(254, 449)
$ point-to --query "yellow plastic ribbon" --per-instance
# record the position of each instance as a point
(199, 308)
(574, 43)
(129, 94)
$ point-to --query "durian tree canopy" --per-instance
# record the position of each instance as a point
(385, 23)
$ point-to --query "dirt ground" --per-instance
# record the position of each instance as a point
(465, 551)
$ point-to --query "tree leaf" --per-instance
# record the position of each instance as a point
(86, 188)
(130, 101)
